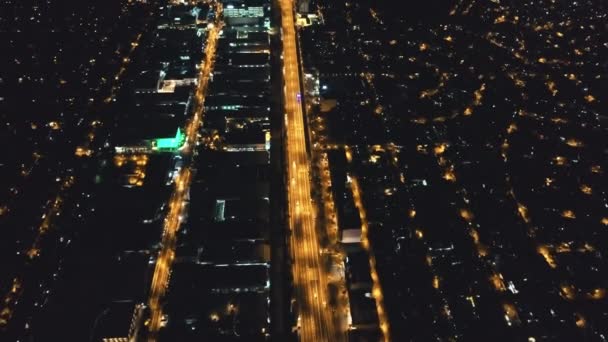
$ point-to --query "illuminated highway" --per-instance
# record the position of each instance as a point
(315, 321)
(162, 270)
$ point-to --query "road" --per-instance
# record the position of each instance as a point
(162, 269)
(310, 280)
(376, 287)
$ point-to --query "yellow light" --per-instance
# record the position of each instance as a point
(589, 98)
(16, 285)
(544, 251)
(449, 175)
(551, 87)
(498, 282)
(563, 248)
(574, 143)
(580, 320)
(482, 250)
(475, 235)
(569, 214)
(83, 152)
(412, 213)
(510, 311)
(500, 20)
(478, 94)
(586, 189)
(559, 160)
(440, 149)
(559, 120)
(54, 125)
(33, 252)
(466, 215)
(597, 294)
(567, 291)
(376, 293)
(421, 149)
(420, 120)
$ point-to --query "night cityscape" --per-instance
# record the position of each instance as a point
(303, 170)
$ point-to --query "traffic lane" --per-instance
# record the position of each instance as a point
(303, 192)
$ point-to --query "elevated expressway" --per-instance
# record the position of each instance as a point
(315, 321)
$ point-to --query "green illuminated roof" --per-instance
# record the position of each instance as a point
(175, 142)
